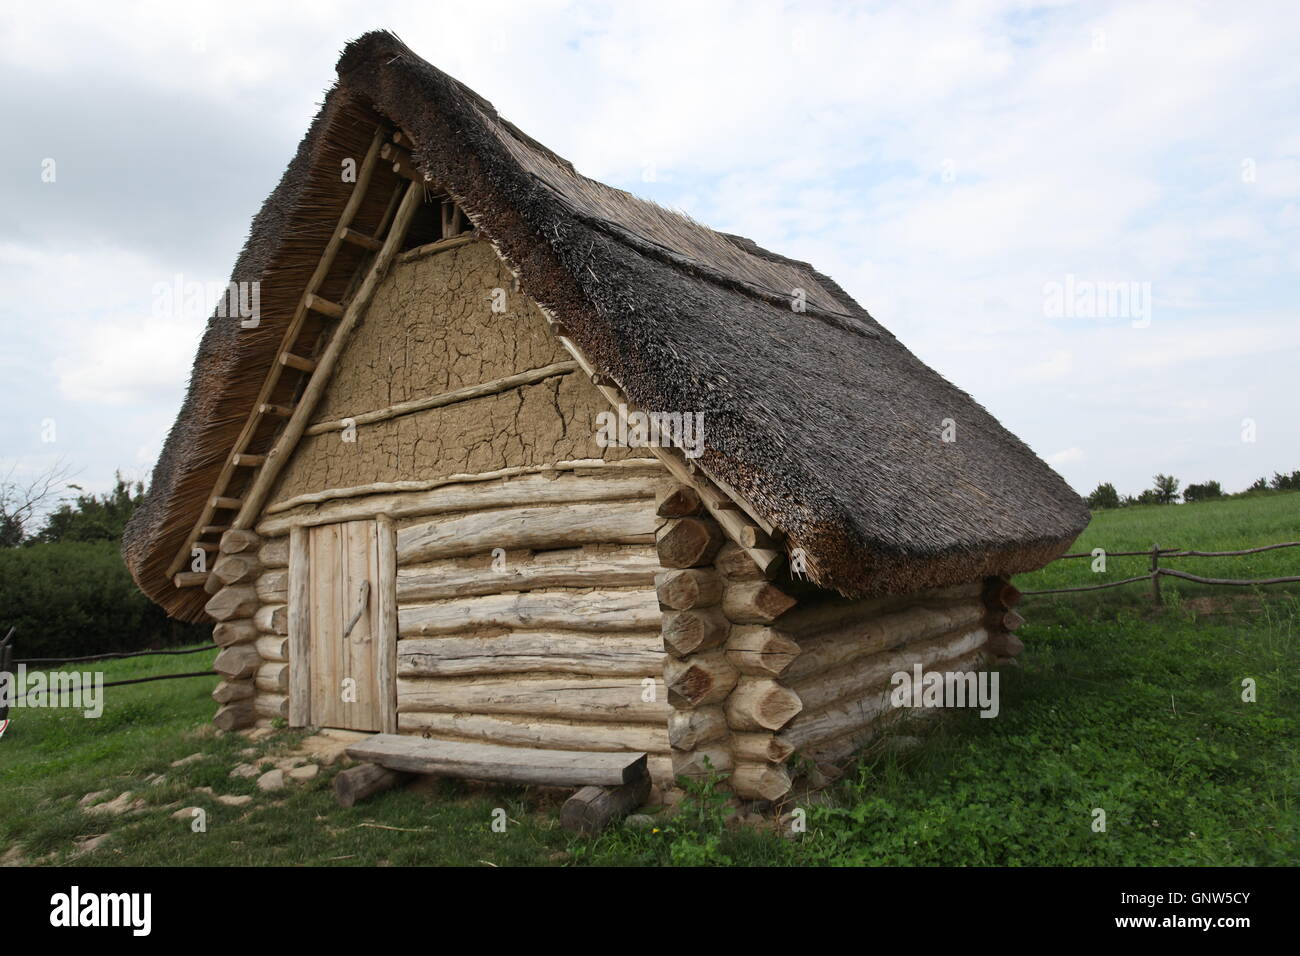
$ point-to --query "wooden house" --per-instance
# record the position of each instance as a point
(392, 491)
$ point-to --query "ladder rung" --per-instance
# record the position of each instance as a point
(360, 239)
(279, 411)
(189, 579)
(290, 360)
(324, 306)
(217, 529)
(247, 461)
(233, 504)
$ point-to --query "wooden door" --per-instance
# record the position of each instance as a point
(344, 599)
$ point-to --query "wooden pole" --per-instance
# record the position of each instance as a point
(1155, 575)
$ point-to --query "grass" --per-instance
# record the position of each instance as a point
(1117, 706)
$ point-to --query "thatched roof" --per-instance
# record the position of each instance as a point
(821, 420)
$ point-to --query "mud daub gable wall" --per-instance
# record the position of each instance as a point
(430, 330)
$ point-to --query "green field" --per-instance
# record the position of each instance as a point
(1118, 705)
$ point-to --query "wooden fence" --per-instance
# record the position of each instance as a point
(1157, 572)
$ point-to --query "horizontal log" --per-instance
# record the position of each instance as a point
(760, 651)
(759, 703)
(523, 731)
(236, 541)
(811, 617)
(272, 619)
(735, 563)
(238, 662)
(273, 587)
(699, 680)
(1004, 644)
(686, 632)
(190, 579)
(846, 716)
(592, 699)
(819, 690)
(684, 589)
(273, 678)
(760, 747)
(836, 751)
(229, 633)
(554, 526)
(702, 763)
(580, 467)
(274, 553)
(237, 568)
(688, 729)
(637, 655)
(1012, 621)
(678, 501)
(755, 602)
(573, 567)
(535, 610)
(273, 648)
(848, 642)
(235, 715)
(232, 602)
(520, 765)
(760, 781)
(467, 494)
(688, 542)
(271, 705)
(228, 691)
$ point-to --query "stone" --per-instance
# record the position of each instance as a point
(245, 771)
(192, 758)
(271, 780)
(118, 805)
(95, 797)
(184, 813)
(303, 773)
(235, 800)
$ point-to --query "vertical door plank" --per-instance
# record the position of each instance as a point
(386, 644)
(299, 628)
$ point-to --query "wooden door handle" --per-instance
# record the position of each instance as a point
(363, 600)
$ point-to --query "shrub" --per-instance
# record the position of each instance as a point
(1104, 496)
(77, 598)
(1204, 492)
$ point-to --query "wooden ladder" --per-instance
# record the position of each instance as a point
(223, 511)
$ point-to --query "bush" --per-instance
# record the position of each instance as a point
(1208, 491)
(77, 598)
(1103, 496)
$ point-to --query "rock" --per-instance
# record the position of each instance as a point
(307, 772)
(208, 790)
(95, 797)
(184, 813)
(192, 758)
(88, 844)
(288, 763)
(639, 821)
(245, 771)
(271, 780)
(232, 800)
(118, 806)
(249, 752)
(260, 733)
(155, 779)
(13, 856)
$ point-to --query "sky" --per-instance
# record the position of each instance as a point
(1085, 215)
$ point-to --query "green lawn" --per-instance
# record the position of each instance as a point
(1117, 705)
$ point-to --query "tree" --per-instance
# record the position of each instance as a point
(1165, 490)
(1203, 492)
(94, 517)
(1104, 496)
(1261, 484)
(21, 503)
(1289, 482)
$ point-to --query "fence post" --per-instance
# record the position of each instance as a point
(1155, 575)
(7, 667)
